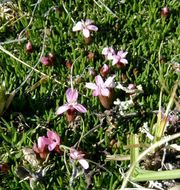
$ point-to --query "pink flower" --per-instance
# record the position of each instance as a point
(53, 140)
(49, 143)
(108, 52)
(72, 96)
(101, 87)
(85, 27)
(119, 58)
(78, 155)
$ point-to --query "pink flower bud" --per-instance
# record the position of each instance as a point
(131, 86)
(165, 11)
(45, 60)
(29, 48)
(104, 71)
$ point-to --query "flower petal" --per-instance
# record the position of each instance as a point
(52, 146)
(122, 54)
(88, 22)
(80, 108)
(99, 80)
(96, 92)
(110, 82)
(105, 92)
(53, 136)
(86, 33)
(77, 27)
(62, 109)
(105, 51)
(92, 27)
(124, 61)
(115, 59)
(42, 142)
(71, 95)
(91, 85)
(84, 163)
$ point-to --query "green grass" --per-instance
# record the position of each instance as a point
(134, 26)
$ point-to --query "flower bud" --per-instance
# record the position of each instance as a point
(29, 48)
(165, 11)
(104, 71)
(45, 60)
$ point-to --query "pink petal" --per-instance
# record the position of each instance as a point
(88, 22)
(80, 108)
(99, 80)
(86, 33)
(122, 54)
(52, 146)
(105, 92)
(105, 51)
(53, 136)
(96, 92)
(110, 82)
(115, 59)
(124, 61)
(62, 109)
(42, 142)
(91, 85)
(71, 95)
(92, 27)
(84, 163)
(78, 27)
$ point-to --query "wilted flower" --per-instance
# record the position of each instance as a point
(108, 52)
(79, 156)
(72, 105)
(48, 60)
(104, 90)
(85, 27)
(104, 71)
(119, 59)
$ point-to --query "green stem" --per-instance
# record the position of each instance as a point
(157, 175)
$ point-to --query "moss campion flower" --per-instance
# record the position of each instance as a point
(72, 105)
(101, 87)
(108, 52)
(119, 59)
(79, 156)
(104, 90)
(85, 26)
(47, 144)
